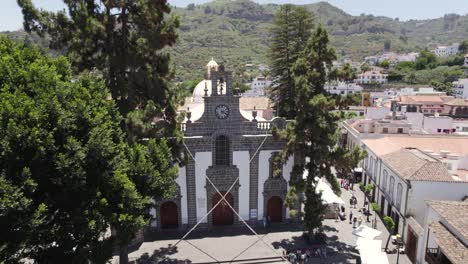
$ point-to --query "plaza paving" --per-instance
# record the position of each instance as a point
(239, 244)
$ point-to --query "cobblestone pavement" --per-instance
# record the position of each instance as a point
(240, 244)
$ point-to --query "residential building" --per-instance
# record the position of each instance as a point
(457, 108)
(372, 77)
(444, 234)
(460, 88)
(445, 51)
(384, 126)
(258, 86)
(342, 88)
(426, 104)
(461, 126)
(394, 58)
(371, 60)
(406, 170)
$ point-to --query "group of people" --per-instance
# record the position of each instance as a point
(344, 184)
(303, 256)
(355, 220)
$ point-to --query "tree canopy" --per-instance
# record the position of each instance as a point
(292, 27)
(124, 39)
(67, 175)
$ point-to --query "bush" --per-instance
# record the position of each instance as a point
(376, 207)
(361, 186)
(293, 213)
(369, 187)
(389, 222)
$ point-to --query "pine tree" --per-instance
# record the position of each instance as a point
(123, 39)
(314, 126)
(291, 30)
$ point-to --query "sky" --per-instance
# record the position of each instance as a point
(11, 17)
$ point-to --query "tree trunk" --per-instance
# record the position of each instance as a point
(388, 239)
(123, 255)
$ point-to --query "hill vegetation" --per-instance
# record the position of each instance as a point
(238, 32)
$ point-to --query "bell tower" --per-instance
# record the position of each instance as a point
(221, 82)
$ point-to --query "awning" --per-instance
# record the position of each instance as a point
(366, 232)
(370, 251)
(328, 196)
(369, 257)
(368, 244)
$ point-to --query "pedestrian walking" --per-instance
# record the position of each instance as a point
(354, 221)
(360, 220)
(350, 216)
(324, 252)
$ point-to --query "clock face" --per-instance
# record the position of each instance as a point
(222, 111)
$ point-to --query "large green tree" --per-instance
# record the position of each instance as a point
(312, 133)
(67, 176)
(292, 27)
(123, 39)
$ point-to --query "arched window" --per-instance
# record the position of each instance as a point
(390, 189)
(222, 151)
(276, 166)
(398, 195)
(384, 180)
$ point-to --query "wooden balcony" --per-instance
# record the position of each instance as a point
(431, 255)
(435, 256)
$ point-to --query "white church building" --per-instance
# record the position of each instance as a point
(233, 150)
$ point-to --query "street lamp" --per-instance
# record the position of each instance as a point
(399, 243)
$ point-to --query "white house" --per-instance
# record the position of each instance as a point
(371, 77)
(460, 88)
(258, 86)
(445, 51)
(444, 234)
(342, 88)
(406, 170)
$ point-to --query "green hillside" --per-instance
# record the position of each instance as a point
(237, 31)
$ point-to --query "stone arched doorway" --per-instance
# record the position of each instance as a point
(275, 209)
(169, 215)
(223, 214)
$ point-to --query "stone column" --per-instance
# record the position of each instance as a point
(253, 192)
(191, 193)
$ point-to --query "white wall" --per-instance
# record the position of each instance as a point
(389, 194)
(432, 123)
(241, 160)
(287, 169)
(416, 119)
(263, 174)
(377, 112)
(182, 182)
(429, 217)
(203, 160)
(423, 191)
(154, 222)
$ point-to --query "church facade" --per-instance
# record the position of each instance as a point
(230, 148)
